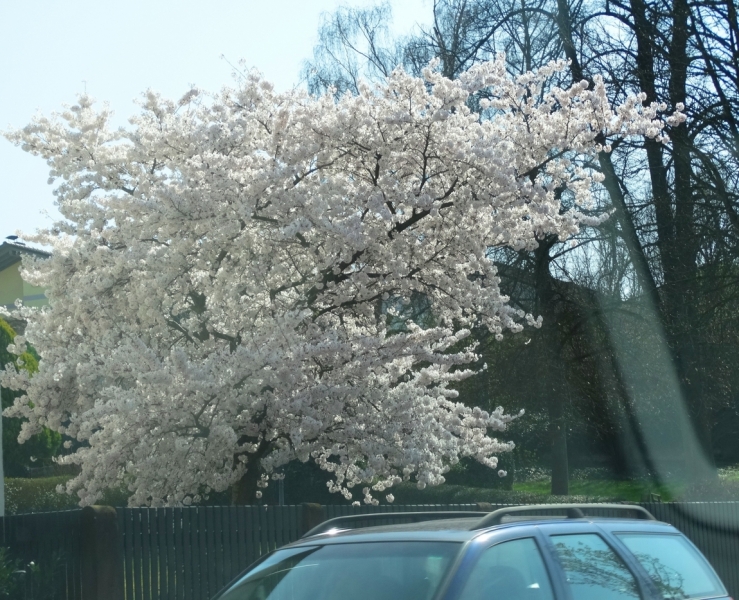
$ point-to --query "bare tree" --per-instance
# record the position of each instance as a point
(673, 241)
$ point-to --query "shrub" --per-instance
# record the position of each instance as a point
(10, 582)
(469, 472)
(41, 448)
(44, 581)
(406, 493)
(721, 489)
(36, 495)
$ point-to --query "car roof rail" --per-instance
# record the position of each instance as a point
(571, 511)
(341, 523)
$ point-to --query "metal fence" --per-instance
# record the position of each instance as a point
(713, 527)
(46, 548)
(190, 553)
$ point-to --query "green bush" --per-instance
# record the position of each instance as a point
(10, 582)
(46, 579)
(42, 579)
(41, 448)
(729, 474)
(630, 489)
(469, 472)
(24, 495)
(721, 489)
(407, 493)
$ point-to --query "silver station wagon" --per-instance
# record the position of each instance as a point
(545, 552)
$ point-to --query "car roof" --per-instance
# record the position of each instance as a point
(464, 529)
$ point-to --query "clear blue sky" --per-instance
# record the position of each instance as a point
(51, 49)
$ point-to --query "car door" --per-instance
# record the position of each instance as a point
(515, 568)
(590, 565)
(674, 566)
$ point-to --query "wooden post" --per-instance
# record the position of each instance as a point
(312, 516)
(101, 563)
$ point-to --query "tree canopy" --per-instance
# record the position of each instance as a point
(218, 287)
(667, 257)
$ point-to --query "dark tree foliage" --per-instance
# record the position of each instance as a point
(640, 313)
(676, 203)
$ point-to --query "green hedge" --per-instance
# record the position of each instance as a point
(36, 495)
(24, 495)
(458, 494)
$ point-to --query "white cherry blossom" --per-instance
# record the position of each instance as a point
(218, 291)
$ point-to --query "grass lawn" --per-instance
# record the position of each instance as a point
(631, 490)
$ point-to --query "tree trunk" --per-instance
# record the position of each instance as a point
(554, 388)
(677, 238)
(558, 432)
(619, 461)
(244, 491)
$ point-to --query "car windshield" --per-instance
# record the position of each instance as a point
(361, 571)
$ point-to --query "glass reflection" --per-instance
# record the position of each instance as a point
(593, 570)
(675, 567)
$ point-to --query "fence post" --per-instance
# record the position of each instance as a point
(312, 516)
(101, 563)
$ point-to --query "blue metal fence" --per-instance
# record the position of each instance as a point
(190, 553)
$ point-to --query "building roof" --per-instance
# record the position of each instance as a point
(11, 253)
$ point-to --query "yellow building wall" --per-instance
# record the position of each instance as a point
(33, 295)
(11, 284)
(13, 287)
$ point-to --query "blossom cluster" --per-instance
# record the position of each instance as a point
(219, 287)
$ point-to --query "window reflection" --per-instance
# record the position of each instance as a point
(509, 571)
(676, 568)
(352, 571)
(593, 570)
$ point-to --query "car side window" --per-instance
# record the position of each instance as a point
(676, 568)
(593, 569)
(511, 570)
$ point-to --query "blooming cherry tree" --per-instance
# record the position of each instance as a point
(218, 290)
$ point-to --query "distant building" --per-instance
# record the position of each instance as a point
(12, 286)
